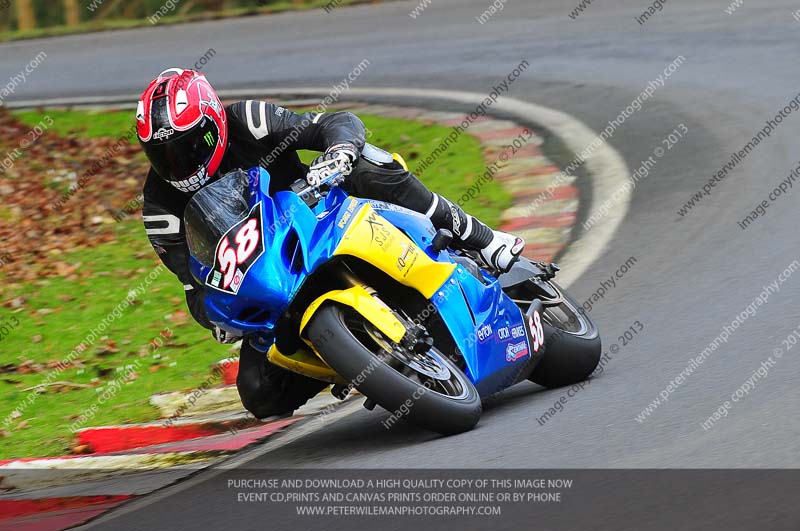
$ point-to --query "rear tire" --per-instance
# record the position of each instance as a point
(572, 350)
(377, 380)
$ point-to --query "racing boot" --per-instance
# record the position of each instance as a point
(503, 251)
(499, 249)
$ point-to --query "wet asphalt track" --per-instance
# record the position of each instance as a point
(693, 274)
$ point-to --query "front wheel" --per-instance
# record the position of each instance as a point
(427, 389)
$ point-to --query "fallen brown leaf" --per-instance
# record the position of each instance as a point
(82, 449)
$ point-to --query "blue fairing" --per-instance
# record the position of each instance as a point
(495, 344)
(463, 297)
(487, 326)
(292, 235)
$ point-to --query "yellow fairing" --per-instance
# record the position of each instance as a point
(371, 308)
(358, 298)
(373, 239)
(305, 363)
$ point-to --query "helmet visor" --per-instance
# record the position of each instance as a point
(179, 159)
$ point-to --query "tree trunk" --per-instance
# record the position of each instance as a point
(108, 7)
(72, 12)
(26, 18)
(5, 19)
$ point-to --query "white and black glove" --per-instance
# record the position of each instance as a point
(338, 158)
(224, 337)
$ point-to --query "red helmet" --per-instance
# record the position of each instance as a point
(182, 127)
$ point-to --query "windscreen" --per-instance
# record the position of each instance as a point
(212, 211)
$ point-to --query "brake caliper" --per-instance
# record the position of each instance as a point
(417, 339)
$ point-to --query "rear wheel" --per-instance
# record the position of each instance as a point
(573, 346)
(572, 343)
(425, 388)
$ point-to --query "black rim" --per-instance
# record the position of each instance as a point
(431, 370)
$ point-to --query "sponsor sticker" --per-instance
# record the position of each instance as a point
(378, 231)
(345, 218)
(348, 213)
(484, 332)
(164, 132)
(515, 351)
(407, 258)
(236, 283)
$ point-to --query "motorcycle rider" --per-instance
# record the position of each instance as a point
(191, 139)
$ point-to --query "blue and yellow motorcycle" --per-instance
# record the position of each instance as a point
(368, 295)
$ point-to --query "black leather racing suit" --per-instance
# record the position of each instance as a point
(265, 134)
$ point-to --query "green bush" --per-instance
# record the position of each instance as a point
(51, 13)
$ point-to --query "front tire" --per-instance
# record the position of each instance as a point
(446, 402)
